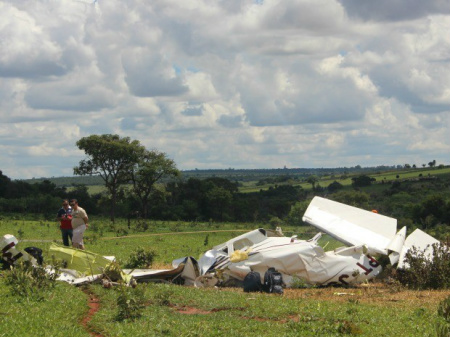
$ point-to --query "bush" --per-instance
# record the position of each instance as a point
(161, 294)
(28, 281)
(424, 273)
(140, 258)
(130, 303)
(443, 323)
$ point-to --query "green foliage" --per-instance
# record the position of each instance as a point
(296, 213)
(130, 303)
(28, 281)
(362, 180)
(112, 158)
(425, 273)
(161, 294)
(113, 272)
(352, 198)
(299, 283)
(335, 186)
(433, 209)
(348, 328)
(142, 225)
(140, 259)
(275, 222)
(58, 315)
(443, 322)
(151, 167)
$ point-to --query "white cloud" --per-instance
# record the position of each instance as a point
(241, 84)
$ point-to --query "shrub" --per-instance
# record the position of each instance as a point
(130, 303)
(443, 322)
(299, 283)
(28, 281)
(275, 222)
(424, 273)
(162, 294)
(113, 272)
(142, 225)
(140, 258)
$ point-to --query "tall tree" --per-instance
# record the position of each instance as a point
(5, 183)
(112, 158)
(312, 179)
(153, 167)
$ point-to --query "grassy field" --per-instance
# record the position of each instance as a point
(372, 309)
(388, 176)
(324, 181)
(170, 239)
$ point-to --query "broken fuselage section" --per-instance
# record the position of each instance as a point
(297, 260)
(366, 235)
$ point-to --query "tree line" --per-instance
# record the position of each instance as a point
(157, 190)
(210, 199)
(146, 184)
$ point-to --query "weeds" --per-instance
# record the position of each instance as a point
(130, 303)
(20, 234)
(113, 272)
(299, 283)
(443, 323)
(425, 273)
(28, 281)
(162, 295)
(142, 225)
(140, 258)
(349, 328)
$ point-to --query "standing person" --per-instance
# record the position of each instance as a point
(64, 216)
(79, 224)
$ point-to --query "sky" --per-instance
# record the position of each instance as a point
(218, 84)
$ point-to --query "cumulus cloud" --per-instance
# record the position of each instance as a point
(219, 84)
(387, 10)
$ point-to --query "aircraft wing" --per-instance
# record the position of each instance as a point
(351, 225)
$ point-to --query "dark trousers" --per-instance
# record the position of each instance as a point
(66, 234)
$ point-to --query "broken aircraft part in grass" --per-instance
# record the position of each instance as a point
(366, 235)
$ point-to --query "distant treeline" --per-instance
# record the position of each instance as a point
(239, 175)
(415, 203)
(193, 199)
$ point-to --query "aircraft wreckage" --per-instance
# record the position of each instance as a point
(366, 235)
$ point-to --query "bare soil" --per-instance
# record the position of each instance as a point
(94, 306)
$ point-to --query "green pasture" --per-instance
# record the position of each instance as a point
(386, 176)
(171, 310)
(235, 313)
(58, 314)
(324, 181)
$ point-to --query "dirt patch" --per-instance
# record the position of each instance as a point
(373, 293)
(184, 310)
(192, 311)
(94, 306)
(196, 311)
(379, 294)
(170, 233)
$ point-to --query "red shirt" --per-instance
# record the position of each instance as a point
(66, 215)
